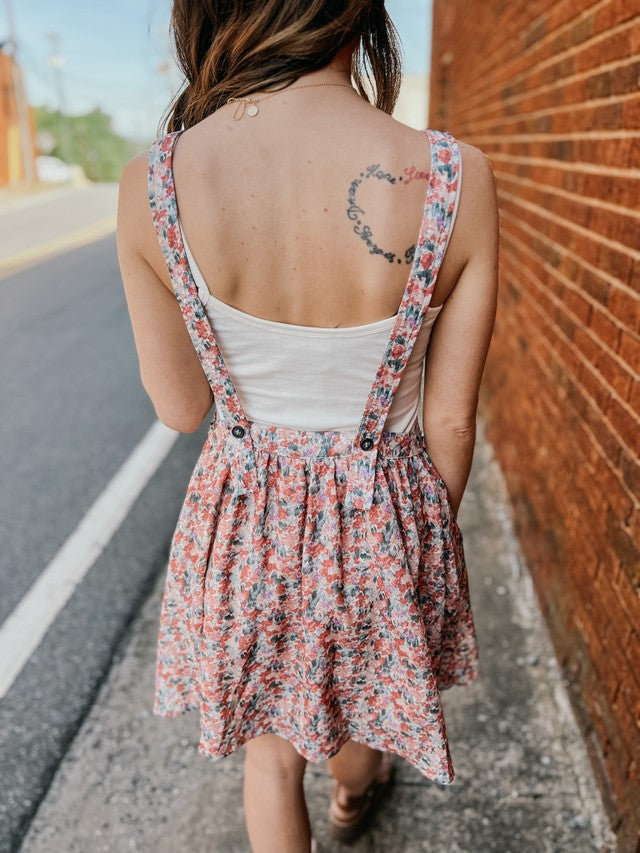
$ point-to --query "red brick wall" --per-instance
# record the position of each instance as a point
(549, 90)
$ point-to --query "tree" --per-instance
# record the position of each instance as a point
(91, 141)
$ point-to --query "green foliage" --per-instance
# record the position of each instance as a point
(88, 140)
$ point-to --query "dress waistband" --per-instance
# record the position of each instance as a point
(310, 444)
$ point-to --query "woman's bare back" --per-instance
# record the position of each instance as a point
(309, 212)
(298, 215)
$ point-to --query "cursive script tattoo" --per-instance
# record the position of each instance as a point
(376, 172)
(413, 174)
(356, 214)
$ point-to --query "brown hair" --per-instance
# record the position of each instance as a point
(232, 48)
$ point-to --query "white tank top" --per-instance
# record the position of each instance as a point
(311, 377)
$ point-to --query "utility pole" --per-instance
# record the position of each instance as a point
(165, 68)
(56, 61)
(169, 70)
(24, 125)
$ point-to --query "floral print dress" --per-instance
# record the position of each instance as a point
(317, 586)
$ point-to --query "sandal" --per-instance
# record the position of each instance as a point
(346, 822)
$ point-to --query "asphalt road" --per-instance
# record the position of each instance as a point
(73, 409)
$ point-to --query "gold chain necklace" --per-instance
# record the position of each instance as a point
(250, 105)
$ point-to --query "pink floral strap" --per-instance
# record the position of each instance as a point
(432, 241)
(164, 209)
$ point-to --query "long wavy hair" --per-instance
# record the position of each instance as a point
(233, 48)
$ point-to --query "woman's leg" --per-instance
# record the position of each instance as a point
(274, 806)
(353, 768)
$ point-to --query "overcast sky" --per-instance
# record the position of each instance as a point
(113, 52)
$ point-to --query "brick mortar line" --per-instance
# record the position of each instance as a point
(615, 282)
(602, 381)
(550, 60)
(558, 331)
(606, 641)
(578, 229)
(588, 201)
(560, 416)
(557, 137)
(590, 168)
(564, 280)
(499, 58)
(577, 105)
(552, 408)
(601, 416)
(551, 405)
(596, 271)
(635, 504)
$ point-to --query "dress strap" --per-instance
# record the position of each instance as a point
(164, 209)
(432, 242)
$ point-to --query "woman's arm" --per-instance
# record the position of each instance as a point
(170, 370)
(460, 338)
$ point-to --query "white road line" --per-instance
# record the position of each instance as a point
(26, 625)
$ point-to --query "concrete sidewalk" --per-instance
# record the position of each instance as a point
(132, 781)
(41, 224)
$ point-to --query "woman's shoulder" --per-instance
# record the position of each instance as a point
(474, 157)
(403, 134)
(477, 221)
(135, 231)
(475, 166)
(478, 175)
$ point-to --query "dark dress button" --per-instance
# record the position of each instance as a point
(366, 443)
(238, 431)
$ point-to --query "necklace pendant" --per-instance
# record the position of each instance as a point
(239, 110)
(252, 110)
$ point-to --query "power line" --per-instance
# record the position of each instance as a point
(56, 61)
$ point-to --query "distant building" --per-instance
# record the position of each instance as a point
(12, 148)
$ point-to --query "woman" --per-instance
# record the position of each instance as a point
(317, 597)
